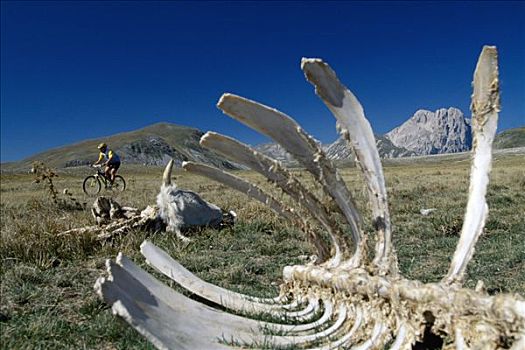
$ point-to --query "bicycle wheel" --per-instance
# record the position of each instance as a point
(119, 185)
(91, 185)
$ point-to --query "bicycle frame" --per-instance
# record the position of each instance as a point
(101, 176)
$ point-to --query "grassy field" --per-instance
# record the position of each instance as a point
(47, 298)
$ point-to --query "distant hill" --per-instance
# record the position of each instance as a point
(156, 144)
(510, 138)
(152, 145)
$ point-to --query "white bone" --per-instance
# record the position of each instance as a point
(173, 299)
(128, 280)
(292, 137)
(274, 172)
(338, 344)
(378, 331)
(153, 318)
(460, 341)
(357, 130)
(242, 186)
(374, 304)
(214, 324)
(485, 108)
(255, 192)
(181, 209)
(401, 341)
(161, 261)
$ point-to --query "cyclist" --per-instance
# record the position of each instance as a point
(110, 159)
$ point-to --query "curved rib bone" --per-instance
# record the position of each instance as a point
(258, 194)
(274, 172)
(129, 282)
(242, 186)
(161, 261)
(285, 131)
(238, 323)
(485, 108)
(348, 336)
(356, 129)
(152, 304)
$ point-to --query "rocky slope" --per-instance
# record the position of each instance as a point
(426, 132)
(339, 150)
(275, 151)
(510, 138)
(153, 145)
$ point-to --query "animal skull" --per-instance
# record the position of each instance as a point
(345, 300)
(182, 209)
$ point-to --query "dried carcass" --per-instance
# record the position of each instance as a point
(344, 300)
(177, 210)
(181, 209)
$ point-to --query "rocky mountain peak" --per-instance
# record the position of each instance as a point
(444, 131)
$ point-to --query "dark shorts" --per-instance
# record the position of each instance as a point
(114, 165)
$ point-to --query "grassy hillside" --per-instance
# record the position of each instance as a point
(153, 145)
(510, 138)
(47, 298)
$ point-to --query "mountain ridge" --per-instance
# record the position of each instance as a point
(152, 145)
(157, 143)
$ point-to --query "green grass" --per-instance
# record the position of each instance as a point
(47, 298)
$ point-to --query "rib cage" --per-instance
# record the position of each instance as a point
(344, 301)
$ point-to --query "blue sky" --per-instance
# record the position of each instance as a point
(76, 70)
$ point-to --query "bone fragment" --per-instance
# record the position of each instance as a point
(426, 212)
(128, 219)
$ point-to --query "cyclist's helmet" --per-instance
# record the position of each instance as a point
(102, 146)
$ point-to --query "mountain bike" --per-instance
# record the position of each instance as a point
(93, 183)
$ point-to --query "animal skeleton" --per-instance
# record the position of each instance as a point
(182, 209)
(177, 211)
(344, 300)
